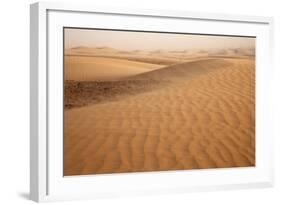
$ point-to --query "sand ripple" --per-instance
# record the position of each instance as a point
(204, 118)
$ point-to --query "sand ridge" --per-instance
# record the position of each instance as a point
(81, 93)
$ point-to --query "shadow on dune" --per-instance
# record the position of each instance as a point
(82, 93)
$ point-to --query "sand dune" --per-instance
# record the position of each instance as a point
(84, 68)
(202, 116)
(135, 55)
(79, 93)
(82, 50)
(159, 57)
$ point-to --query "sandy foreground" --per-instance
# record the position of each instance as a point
(190, 115)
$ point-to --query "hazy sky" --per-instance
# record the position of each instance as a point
(124, 40)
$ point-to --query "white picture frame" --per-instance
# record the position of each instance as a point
(46, 179)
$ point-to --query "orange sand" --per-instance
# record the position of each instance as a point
(203, 118)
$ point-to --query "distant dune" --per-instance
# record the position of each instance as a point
(91, 50)
(159, 57)
(190, 115)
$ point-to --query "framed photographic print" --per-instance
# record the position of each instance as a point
(129, 102)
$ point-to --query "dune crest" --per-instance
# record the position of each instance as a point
(81, 93)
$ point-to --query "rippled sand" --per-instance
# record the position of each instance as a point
(194, 115)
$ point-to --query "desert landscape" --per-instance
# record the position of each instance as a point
(140, 110)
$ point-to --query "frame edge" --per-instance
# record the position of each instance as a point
(34, 40)
(38, 104)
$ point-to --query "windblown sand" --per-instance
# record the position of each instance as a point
(190, 115)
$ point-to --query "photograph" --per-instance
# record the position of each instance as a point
(150, 101)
